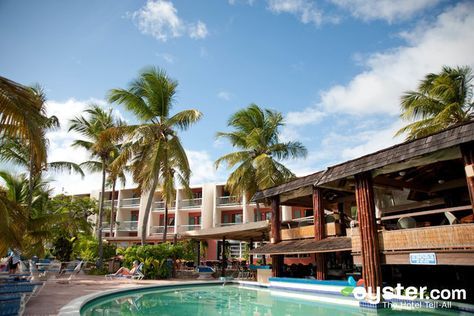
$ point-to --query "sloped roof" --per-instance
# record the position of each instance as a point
(247, 231)
(450, 137)
(329, 244)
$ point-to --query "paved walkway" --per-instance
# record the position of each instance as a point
(55, 295)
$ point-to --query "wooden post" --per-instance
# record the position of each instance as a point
(250, 249)
(364, 192)
(319, 223)
(198, 251)
(277, 260)
(224, 258)
(467, 151)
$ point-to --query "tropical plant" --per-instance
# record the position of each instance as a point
(157, 158)
(257, 160)
(22, 116)
(441, 100)
(92, 128)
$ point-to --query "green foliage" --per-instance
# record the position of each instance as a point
(62, 248)
(441, 100)
(154, 257)
(87, 248)
(256, 163)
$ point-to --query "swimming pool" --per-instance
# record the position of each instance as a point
(230, 299)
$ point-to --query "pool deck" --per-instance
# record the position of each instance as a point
(55, 295)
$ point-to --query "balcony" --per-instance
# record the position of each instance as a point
(105, 226)
(190, 203)
(185, 228)
(132, 202)
(156, 230)
(128, 225)
(158, 205)
(426, 238)
(230, 224)
(229, 200)
(108, 203)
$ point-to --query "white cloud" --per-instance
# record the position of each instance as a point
(307, 116)
(170, 59)
(202, 166)
(388, 10)
(305, 10)
(448, 41)
(198, 30)
(224, 95)
(159, 18)
(60, 149)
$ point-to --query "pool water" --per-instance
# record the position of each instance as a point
(218, 300)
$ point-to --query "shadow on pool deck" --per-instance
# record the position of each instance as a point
(55, 295)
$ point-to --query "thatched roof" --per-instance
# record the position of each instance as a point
(330, 244)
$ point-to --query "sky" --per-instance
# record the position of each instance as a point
(335, 68)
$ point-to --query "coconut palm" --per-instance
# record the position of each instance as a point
(92, 128)
(153, 148)
(442, 100)
(257, 160)
(22, 115)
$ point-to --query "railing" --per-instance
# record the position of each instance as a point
(434, 237)
(128, 225)
(108, 203)
(159, 205)
(190, 203)
(130, 202)
(230, 224)
(105, 225)
(184, 228)
(161, 229)
(229, 200)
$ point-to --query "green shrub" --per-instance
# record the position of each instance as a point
(87, 248)
(155, 257)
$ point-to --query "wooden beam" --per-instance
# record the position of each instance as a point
(319, 226)
(467, 152)
(429, 212)
(371, 271)
(277, 260)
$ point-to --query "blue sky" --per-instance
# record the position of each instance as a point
(334, 68)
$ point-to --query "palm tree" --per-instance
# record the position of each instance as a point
(442, 100)
(256, 161)
(22, 115)
(154, 149)
(92, 128)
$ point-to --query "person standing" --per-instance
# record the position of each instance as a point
(13, 261)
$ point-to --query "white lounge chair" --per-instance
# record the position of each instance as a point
(72, 274)
(137, 275)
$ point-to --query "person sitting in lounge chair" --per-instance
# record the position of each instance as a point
(124, 271)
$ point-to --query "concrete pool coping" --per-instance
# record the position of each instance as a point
(73, 308)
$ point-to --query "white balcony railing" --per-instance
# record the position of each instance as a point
(133, 202)
(159, 205)
(128, 225)
(184, 228)
(108, 203)
(190, 203)
(229, 200)
(230, 224)
(161, 229)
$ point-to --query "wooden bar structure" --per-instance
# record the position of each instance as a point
(224, 258)
(277, 260)
(371, 271)
(319, 228)
(467, 152)
(250, 249)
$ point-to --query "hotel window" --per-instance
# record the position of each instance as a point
(134, 216)
(170, 220)
(228, 218)
(194, 220)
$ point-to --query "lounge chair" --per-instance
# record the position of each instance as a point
(137, 275)
(451, 218)
(72, 273)
(205, 272)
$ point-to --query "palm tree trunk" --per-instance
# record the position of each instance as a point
(165, 231)
(30, 181)
(101, 211)
(112, 210)
(148, 208)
